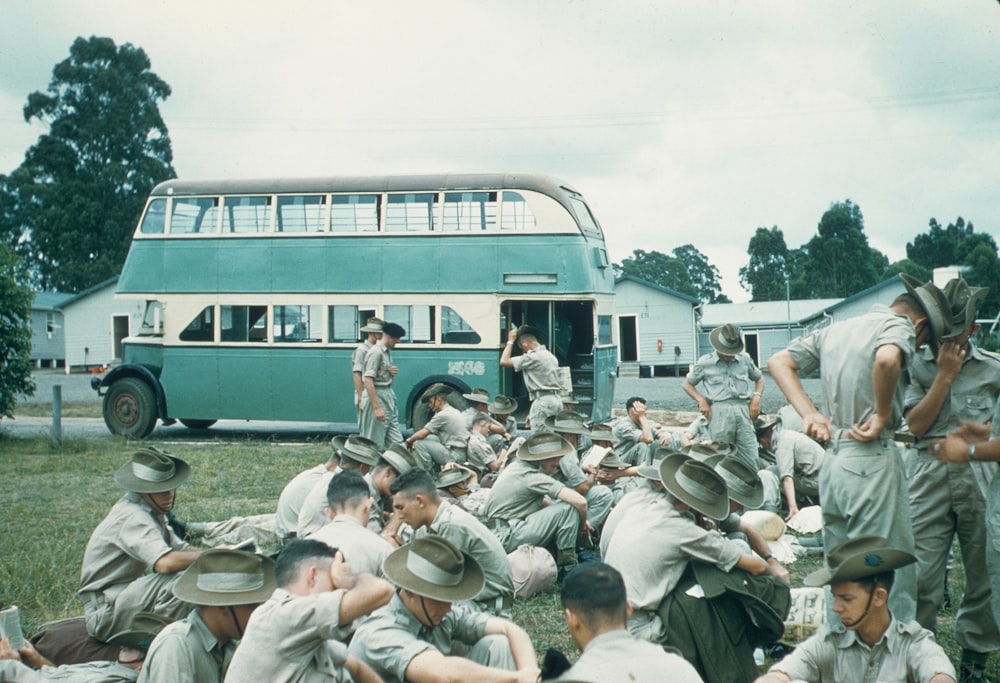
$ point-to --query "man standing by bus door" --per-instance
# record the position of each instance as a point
(541, 373)
(379, 416)
(373, 330)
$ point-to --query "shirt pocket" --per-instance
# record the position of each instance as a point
(978, 407)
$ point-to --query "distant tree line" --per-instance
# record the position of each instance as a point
(835, 263)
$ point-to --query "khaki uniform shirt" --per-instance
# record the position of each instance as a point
(480, 453)
(292, 497)
(293, 639)
(796, 455)
(471, 536)
(390, 637)
(519, 491)
(125, 544)
(618, 657)
(906, 652)
(847, 351)
(363, 549)
(540, 369)
(642, 495)
(377, 362)
(652, 545)
(359, 355)
(312, 513)
(972, 393)
(722, 380)
(449, 427)
(87, 672)
(186, 652)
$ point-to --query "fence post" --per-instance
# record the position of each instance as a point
(57, 413)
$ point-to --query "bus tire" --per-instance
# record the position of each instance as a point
(420, 414)
(197, 424)
(130, 408)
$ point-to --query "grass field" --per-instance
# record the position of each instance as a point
(53, 497)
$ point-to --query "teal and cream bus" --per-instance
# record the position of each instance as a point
(255, 290)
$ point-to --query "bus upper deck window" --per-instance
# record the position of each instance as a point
(191, 215)
(301, 213)
(414, 212)
(154, 222)
(354, 213)
(246, 214)
(470, 211)
(516, 214)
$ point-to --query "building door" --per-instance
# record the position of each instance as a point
(751, 347)
(119, 330)
(628, 338)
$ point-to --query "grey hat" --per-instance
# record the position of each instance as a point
(503, 405)
(934, 303)
(393, 330)
(436, 389)
(567, 422)
(858, 558)
(600, 432)
(140, 632)
(962, 301)
(360, 449)
(695, 484)
(399, 458)
(542, 446)
(225, 577)
(478, 396)
(701, 451)
(764, 423)
(452, 476)
(432, 567)
(611, 461)
(152, 471)
(727, 340)
(337, 442)
(742, 481)
(373, 325)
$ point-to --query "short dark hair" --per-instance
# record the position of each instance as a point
(596, 592)
(297, 552)
(346, 489)
(632, 401)
(413, 482)
(480, 417)
(870, 583)
(910, 303)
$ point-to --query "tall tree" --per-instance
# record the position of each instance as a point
(960, 245)
(81, 187)
(840, 262)
(660, 269)
(764, 274)
(15, 331)
(703, 275)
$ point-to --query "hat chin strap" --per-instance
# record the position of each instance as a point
(864, 615)
(236, 622)
(427, 616)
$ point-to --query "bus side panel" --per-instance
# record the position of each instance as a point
(190, 379)
(244, 266)
(475, 367)
(299, 384)
(188, 266)
(605, 370)
(245, 388)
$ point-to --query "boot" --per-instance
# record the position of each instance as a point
(566, 560)
(972, 668)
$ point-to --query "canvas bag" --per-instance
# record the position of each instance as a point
(533, 570)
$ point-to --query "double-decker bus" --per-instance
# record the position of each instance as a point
(255, 291)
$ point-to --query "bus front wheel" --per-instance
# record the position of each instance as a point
(130, 408)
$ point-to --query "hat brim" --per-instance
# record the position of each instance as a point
(856, 567)
(397, 462)
(451, 477)
(522, 452)
(477, 398)
(715, 339)
(717, 509)
(128, 481)
(187, 589)
(472, 582)
(502, 408)
(581, 429)
(935, 308)
(140, 638)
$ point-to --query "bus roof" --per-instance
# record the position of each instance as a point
(384, 183)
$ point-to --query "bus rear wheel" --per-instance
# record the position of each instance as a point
(130, 408)
(197, 424)
(420, 414)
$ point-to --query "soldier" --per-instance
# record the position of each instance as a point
(541, 373)
(379, 415)
(373, 332)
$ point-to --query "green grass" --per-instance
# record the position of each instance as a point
(53, 497)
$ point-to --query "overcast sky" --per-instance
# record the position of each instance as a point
(680, 122)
